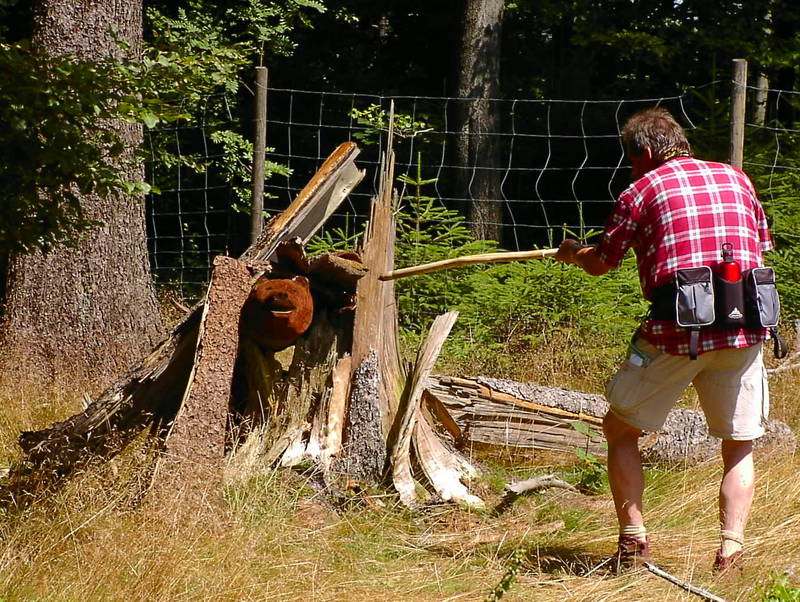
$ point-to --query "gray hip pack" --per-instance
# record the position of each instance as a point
(699, 299)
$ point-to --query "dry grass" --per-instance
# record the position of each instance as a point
(275, 540)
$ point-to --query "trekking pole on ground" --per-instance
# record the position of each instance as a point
(457, 262)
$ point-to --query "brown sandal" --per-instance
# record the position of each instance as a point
(631, 551)
(726, 564)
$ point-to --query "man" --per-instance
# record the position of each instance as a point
(677, 214)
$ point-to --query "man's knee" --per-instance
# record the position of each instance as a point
(734, 451)
(616, 430)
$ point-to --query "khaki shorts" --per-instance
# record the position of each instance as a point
(731, 385)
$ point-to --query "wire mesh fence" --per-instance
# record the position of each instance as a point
(189, 216)
(560, 165)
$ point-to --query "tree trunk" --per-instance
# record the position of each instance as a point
(477, 149)
(86, 313)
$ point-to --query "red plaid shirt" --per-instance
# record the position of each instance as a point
(677, 216)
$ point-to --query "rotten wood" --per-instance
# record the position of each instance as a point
(457, 262)
(314, 358)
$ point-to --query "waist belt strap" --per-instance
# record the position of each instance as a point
(694, 342)
(779, 348)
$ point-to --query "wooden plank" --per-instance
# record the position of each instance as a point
(313, 205)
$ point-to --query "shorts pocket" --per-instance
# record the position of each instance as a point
(624, 390)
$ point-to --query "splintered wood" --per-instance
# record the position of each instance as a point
(407, 417)
(484, 414)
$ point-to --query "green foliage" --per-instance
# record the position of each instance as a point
(527, 301)
(236, 167)
(778, 188)
(376, 122)
(54, 146)
(334, 239)
(252, 26)
(426, 232)
(591, 473)
(520, 304)
(778, 590)
(58, 139)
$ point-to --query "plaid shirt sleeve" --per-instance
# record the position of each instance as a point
(763, 227)
(620, 229)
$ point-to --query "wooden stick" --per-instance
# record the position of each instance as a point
(457, 262)
(697, 591)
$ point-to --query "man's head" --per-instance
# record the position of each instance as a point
(651, 137)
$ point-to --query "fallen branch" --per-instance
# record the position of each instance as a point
(513, 491)
(790, 363)
(457, 262)
(537, 483)
(697, 591)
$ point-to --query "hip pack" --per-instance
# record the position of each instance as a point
(701, 299)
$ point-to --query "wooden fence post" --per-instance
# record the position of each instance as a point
(738, 102)
(259, 152)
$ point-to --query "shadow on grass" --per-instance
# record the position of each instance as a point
(563, 560)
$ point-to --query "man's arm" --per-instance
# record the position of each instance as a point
(571, 251)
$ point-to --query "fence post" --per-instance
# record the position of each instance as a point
(738, 100)
(259, 152)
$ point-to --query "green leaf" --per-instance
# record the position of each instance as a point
(149, 119)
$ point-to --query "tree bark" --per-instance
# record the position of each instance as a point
(85, 314)
(477, 149)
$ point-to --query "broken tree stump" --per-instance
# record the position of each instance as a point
(363, 457)
(377, 378)
(150, 395)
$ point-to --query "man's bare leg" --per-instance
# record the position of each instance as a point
(735, 492)
(624, 470)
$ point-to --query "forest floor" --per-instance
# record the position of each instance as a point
(276, 539)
